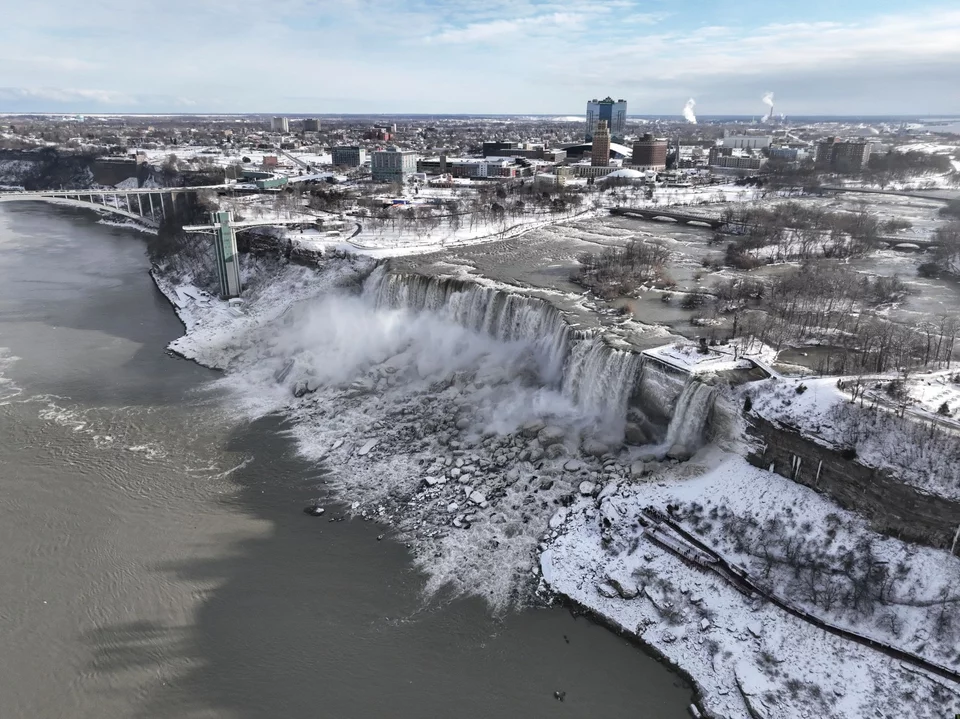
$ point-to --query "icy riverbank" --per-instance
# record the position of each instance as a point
(748, 657)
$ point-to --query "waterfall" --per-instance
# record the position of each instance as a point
(690, 417)
(504, 316)
(596, 377)
(600, 379)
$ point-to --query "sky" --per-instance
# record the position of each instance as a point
(841, 57)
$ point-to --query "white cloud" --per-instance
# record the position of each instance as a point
(66, 95)
(467, 56)
(497, 30)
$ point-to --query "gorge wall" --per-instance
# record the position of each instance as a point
(891, 506)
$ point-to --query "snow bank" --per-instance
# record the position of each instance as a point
(746, 656)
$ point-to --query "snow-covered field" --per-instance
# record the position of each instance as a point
(747, 657)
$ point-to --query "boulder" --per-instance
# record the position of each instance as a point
(637, 470)
(551, 435)
(609, 490)
(554, 451)
(531, 429)
(587, 488)
(463, 423)
(635, 434)
(627, 589)
(606, 590)
(477, 497)
(679, 452)
(594, 448)
(573, 465)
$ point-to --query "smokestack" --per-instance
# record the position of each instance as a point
(688, 111)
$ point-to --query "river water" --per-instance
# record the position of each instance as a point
(154, 561)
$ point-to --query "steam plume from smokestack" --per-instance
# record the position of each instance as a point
(688, 111)
(768, 100)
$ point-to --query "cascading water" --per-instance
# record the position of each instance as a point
(599, 378)
(690, 418)
(596, 377)
(505, 317)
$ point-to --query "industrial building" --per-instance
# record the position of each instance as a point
(280, 124)
(613, 112)
(650, 153)
(393, 164)
(600, 156)
(842, 155)
(348, 156)
(747, 142)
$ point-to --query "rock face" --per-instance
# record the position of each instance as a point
(891, 507)
(637, 470)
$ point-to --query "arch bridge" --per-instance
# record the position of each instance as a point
(682, 218)
(146, 204)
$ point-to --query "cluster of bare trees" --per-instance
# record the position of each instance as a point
(794, 231)
(833, 305)
(819, 571)
(946, 255)
(618, 271)
(923, 454)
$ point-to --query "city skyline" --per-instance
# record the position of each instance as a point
(534, 57)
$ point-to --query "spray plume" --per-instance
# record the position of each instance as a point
(688, 111)
(768, 100)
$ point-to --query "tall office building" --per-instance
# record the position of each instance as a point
(280, 124)
(613, 112)
(600, 152)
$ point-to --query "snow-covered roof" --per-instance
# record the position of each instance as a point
(627, 174)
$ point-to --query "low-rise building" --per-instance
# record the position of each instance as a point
(736, 159)
(393, 164)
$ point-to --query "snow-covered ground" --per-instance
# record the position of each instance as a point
(747, 657)
(918, 448)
